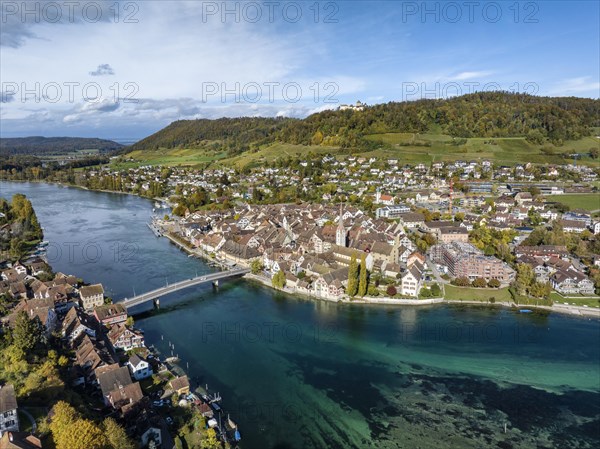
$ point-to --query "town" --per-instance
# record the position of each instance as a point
(421, 230)
(90, 350)
(357, 230)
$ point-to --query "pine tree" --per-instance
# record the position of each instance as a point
(352, 276)
(363, 283)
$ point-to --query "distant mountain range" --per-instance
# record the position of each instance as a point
(483, 114)
(41, 146)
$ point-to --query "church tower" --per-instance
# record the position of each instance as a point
(340, 233)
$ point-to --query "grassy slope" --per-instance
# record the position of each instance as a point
(454, 293)
(503, 151)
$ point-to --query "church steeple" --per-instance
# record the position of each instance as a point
(340, 233)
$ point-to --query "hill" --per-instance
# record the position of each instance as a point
(44, 146)
(489, 124)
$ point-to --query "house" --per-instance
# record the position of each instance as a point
(122, 337)
(91, 296)
(412, 220)
(112, 378)
(77, 322)
(110, 314)
(9, 420)
(412, 280)
(125, 398)
(571, 282)
(139, 368)
(180, 385)
(19, 440)
(380, 198)
(576, 226)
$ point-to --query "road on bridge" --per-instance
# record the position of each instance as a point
(154, 294)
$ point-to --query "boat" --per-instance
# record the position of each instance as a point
(155, 229)
(525, 311)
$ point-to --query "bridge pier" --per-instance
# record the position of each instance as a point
(156, 303)
(215, 283)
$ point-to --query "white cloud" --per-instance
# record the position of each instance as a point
(578, 85)
(464, 76)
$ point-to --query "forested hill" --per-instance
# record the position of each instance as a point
(53, 145)
(486, 114)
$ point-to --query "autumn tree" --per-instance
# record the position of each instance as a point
(352, 276)
(364, 281)
(116, 435)
(278, 280)
(27, 333)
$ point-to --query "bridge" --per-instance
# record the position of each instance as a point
(199, 280)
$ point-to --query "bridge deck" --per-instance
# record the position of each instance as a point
(151, 295)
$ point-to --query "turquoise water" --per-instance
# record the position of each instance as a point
(303, 374)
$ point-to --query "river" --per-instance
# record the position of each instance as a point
(304, 374)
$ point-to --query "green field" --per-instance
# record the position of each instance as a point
(174, 157)
(407, 147)
(197, 157)
(577, 301)
(585, 201)
(454, 293)
(431, 147)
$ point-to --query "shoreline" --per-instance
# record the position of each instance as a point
(575, 311)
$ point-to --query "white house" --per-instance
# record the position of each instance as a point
(9, 420)
(139, 368)
(411, 282)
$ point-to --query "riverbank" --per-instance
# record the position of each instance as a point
(558, 308)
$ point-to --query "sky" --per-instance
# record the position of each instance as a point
(123, 70)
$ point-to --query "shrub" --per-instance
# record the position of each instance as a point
(494, 283)
(373, 291)
(479, 283)
(461, 282)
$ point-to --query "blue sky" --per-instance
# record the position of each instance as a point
(126, 72)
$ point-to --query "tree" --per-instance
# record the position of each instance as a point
(524, 279)
(436, 291)
(363, 282)
(71, 431)
(27, 333)
(391, 291)
(256, 266)
(494, 283)
(278, 280)
(479, 283)
(210, 441)
(116, 435)
(17, 248)
(373, 291)
(462, 281)
(352, 276)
